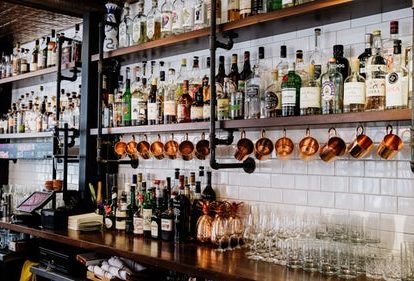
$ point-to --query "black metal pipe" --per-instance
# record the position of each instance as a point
(412, 100)
(100, 78)
(59, 78)
(65, 159)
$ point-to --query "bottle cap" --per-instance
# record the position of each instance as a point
(376, 32)
(332, 60)
(221, 59)
(261, 53)
(338, 50)
(234, 58)
(317, 31)
(134, 179)
(283, 51)
(299, 54)
(394, 27)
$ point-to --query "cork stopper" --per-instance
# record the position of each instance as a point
(355, 64)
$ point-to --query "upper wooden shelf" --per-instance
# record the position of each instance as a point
(27, 135)
(38, 73)
(345, 119)
(193, 259)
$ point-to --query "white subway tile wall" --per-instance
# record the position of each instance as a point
(371, 188)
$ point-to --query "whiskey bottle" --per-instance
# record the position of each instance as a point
(246, 71)
(310, 94)
(181, 205)
(283, 65)
(223, 99)
(291, 83)
(354, 89)
(237, 102)
(184, 105)
(197, 106)
(234, 71)
(131, 210)
(154, 22)
(252, 95)
(156, 215)
(195, 210)
(363, 58)
(51, 50)
(200, 14)
(396, 82)
(233, 10)
(332, 89)
(35, 57)
(206, 99)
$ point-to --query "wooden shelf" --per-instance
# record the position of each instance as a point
(49, 70)
(27, 135)
(190, 258)
(345, 119)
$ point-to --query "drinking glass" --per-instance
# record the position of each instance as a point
(375, 260)
(346, 261)
(392, 267)
(310, 255)
(407, 261)
(294, 253)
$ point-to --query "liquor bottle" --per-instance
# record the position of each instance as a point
(388, 44)
(154, 22)
(342, 63)
(376, 72)
(196, 80)
(208, 192)
(170, 107)
(139, 100)
(139, 25)
(124, 25)
(167, 223)
(258, 7)
(152, 104)
(283, 65)
(195, 210)
(126, 104)
(200, 14)
(24, 62)
(147, 212)
(156, 215)
(316, 56)
(166, 19)
(252, 96)
(221, 71)
(396, 81)
(274, 5)
(182, 206)
(176, 187)
(111, 210)
(51, 50)
(161, 93)
(184, 105)
(131, 210)
(197, 106)
(271, 101)
(233, 10)
(138, 222)
(332, 89)
(310, 94)
(223, 99)
(246, 71)
(354, 89)
(188, 15)
(288, 3)
(177, 19)
(291, 83)
(182, 75)
(40, 54)
(35, 57)
(76, 46)
(363, 58)
(237, 101)
(234, 71)
(300, 67)
(206, 99)
(245, 8)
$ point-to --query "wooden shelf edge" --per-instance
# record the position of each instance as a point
(27, 135)
(252, 20)
(301, 121)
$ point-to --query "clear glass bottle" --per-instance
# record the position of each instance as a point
(316, 56)
(223, 100)
(125, 27)
(76, 45)
(354, 89)
(310, 94)
(200, 14)
(139, 25)
(252, 96)
(376, 72)
(288, 3)
(363, 58)
(283, 65)
(332, 89)
(184, 105)
(182, 75)
(161, 92)
(196, 79)
(188, 15)
(177, 19)
(300, 67)
(166, 19)
(291, 84)
(206, 98)
(396, 81)
(154, 22)
(271, 101)
(170, 107)
(233, 10)
(237, 101)
(388, 44)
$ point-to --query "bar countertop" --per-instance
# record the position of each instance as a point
(194, 259)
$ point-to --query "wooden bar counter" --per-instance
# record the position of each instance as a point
(190, 258)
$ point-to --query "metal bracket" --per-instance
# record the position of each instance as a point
(229, 45)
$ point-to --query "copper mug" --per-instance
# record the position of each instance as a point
(335, 147)
(157, 148)
(244, 147)
(120, 148)
(263, 147)
(284, 146)
(171, 148)
(186, 149)
(390, 145)
(144, 148)
(202, 148)
(131, 149)
(308, 146)
(361, 145)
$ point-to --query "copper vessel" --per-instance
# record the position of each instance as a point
(186, 149)
(157, 148)
(335, 147)
(244, 147)
(263, 147)
(171, 148)
(308, 146)
(390, 145)
(202, 149)
(284, 146)
(362, 144)
(144, 148)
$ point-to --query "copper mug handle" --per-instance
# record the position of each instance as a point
(244, 147)
(362, 145)
(263, 147)
(202, 149)
(284, 146)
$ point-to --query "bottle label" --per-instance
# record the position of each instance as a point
(123, 42)
(108, 223)
(136, 30)
(176, 20)
(271, 103)
(375, 87)
(245, 6)
(287, 2)
(376, 68)
(150, 28)
(196, 112)
(253, 91)
(138, 225)
(147, 214)
(170, 108)
(288, 96)
(134, 108)
(200, 14)
(23, 67)
(188, 17)
(328, 90)
(310, 97)
(120, 224)
(126, 111)
(142, 111)
(233, 5)
(152, 111)
(395, 88)
(154, 229)
(166, 225)
(183, 112)
(223, 108)
(166, 23)
(354, 93)
(206, 111)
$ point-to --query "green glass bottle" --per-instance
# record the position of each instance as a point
(291, 84)
(126, 104)
(147, 213)
(273, 5)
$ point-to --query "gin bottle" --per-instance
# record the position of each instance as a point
(332, 89)
(310, 94)
(291, 83)
(354, 90)
(396, 81)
